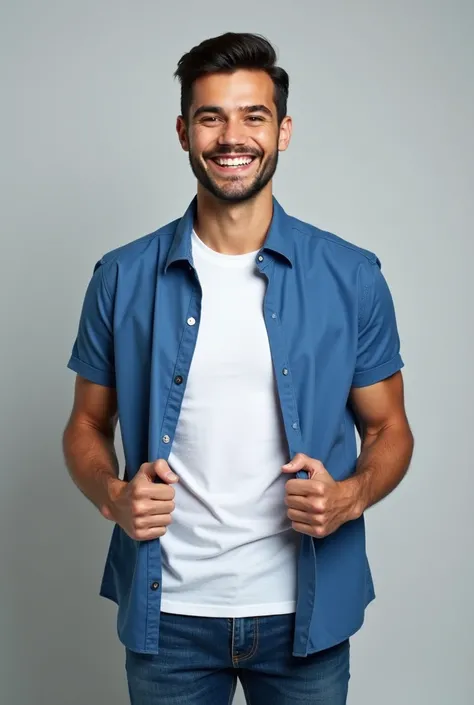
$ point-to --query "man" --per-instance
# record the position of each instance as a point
(239, 348)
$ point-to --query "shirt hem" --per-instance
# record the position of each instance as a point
(261, 610)
(377, 374)
(102, 377)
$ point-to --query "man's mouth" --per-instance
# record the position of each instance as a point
(229, 164)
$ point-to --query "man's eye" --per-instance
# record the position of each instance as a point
(255, 118)
(210, 118)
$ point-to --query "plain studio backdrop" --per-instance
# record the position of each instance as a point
(382, 154)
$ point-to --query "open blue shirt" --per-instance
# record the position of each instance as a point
(331, 326)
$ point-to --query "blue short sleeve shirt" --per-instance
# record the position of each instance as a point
(331, 326)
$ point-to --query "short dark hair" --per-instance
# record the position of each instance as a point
(226, 54)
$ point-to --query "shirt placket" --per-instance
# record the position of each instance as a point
(279, 353)
(286, 393)
(190, 330)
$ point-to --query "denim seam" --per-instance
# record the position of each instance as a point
(253, 649)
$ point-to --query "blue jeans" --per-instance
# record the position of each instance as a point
(201, 658)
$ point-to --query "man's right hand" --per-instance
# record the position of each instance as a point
(141, 506)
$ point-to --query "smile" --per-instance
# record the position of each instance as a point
(226, 164)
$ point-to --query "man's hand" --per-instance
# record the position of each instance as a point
(143, 507)
(319, 505)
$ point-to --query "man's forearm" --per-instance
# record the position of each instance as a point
(382, 464)
(92, 463)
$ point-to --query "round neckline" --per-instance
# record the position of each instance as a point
(221, 258)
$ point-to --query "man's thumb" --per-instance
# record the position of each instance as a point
(304, 462)
(161, 469)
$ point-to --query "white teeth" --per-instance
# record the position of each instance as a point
(239, 161)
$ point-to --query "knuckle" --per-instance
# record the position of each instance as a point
(167, 492)
(139, 489)
(137, 523)
(135, 489)
(138, 508)
(320, 488)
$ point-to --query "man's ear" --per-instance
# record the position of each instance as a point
(182, 131)
(286, 128)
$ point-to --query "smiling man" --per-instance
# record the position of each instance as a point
(234, 170)
(241, 349)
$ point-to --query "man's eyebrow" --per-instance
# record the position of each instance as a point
(257, 109)
(208, 109)
(216, 110)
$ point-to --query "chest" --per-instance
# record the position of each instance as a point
(305, 326)
(232, 346)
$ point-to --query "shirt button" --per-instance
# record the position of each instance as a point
(166, 439)
(274, 315)
(285, 371)
(155, 585)
(294, 425)
(178, 379)
(191, 321)
(260, 258)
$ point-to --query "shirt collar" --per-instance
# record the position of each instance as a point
(279, 237)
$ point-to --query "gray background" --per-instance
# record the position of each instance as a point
(382, 154)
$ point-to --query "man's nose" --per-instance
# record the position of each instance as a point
(233, 133)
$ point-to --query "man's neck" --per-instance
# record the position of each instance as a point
(233, 228)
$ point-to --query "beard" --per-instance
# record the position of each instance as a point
(234, 189)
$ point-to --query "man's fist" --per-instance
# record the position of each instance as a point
(319, 505)
(141, 506)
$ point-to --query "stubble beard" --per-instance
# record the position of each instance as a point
(237, 193)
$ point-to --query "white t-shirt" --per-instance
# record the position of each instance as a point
(230, 550)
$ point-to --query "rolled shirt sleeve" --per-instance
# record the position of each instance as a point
(93, 351)
(378, 348)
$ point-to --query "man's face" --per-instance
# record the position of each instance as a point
(232, 134)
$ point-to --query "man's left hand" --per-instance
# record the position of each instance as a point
(319, 505)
